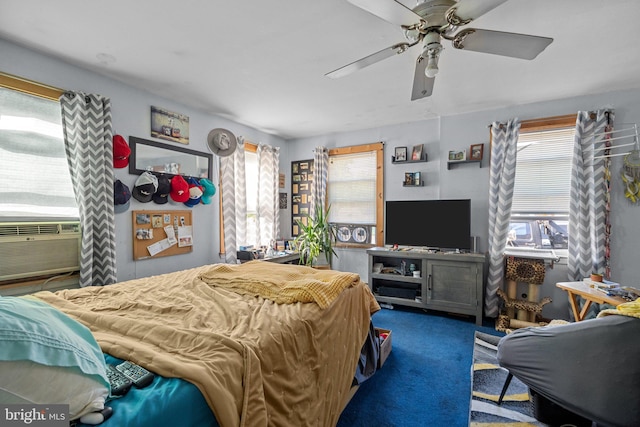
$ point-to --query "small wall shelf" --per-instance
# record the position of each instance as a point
(402, 162)
(457, 162)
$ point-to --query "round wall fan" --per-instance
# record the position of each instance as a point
(222, 142)
(430, 22)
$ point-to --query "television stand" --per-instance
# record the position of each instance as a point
(449, 282)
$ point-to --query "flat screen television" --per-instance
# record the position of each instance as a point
(437, 224)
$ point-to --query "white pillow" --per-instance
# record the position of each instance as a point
(48, 358)
(24, 381)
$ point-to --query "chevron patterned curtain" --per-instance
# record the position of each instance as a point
(589, 195)
(319, 183)
(268, 220)
(86, 122)
(234, 201)
(502, 178)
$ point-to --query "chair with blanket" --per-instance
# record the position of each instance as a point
(590, 369)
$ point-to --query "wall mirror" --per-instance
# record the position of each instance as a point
(172, 160)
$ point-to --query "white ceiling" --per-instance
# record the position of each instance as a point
(263, 63)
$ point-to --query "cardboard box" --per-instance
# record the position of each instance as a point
(385, 345)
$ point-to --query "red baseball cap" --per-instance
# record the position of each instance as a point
(121, 152)
(179, 189)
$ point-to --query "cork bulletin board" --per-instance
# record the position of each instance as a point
(161, 233)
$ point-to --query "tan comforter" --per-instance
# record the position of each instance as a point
(256, 362)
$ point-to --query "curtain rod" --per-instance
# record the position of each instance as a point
(592, 116)
(30, 87)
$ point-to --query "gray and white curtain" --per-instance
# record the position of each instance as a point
(86, 122)
(268, 221)
(589, 196)
(234, 201)
(502, 179)
(319, 183)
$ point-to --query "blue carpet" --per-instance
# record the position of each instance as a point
(426, 381)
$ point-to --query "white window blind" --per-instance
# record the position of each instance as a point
(543, 172)
(34, 175)
(352, 188)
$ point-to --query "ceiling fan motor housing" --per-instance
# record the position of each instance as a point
(434, 12)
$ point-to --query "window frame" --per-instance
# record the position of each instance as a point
(539, 125)
(378, 148)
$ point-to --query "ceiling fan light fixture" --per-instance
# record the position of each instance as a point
(431, 53)
(432, 67)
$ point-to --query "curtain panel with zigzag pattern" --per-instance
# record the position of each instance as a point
(87, 128)
(501, 182)
(234, 201)
(589, 196)
(320, 176)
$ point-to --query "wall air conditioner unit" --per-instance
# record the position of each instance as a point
(32, 249)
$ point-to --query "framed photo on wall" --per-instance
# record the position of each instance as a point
(416, 154)
(457, 155)
(169, 125)
(476, 152)
(400, 154)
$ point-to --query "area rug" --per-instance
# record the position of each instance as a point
(487, 379)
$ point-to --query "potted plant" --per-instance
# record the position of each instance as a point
(316, 238)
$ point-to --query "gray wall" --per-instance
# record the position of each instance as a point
(470, 181)
(131, 117)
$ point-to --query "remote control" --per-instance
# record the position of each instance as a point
(120, 384)
(136, 373)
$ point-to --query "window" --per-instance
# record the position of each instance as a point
(354, 192)
(34, 175)
(541, 194)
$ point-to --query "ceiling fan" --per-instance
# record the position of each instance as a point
(433, 20)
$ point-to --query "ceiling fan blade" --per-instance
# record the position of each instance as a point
(369, 60)
(501, 43)
(389, 10)
(468, 10)
(422, 85)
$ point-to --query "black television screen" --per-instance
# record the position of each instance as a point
(438, 224)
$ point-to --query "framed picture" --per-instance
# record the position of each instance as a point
(412, 179)
(169, 125)
(400, 154)
(475, 152)
(416, 178)
(416, 154)
(456, 155)
(408, 178)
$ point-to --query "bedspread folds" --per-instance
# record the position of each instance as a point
(284, 283)
(256, 362)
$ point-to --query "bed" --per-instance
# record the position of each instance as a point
(254, 344)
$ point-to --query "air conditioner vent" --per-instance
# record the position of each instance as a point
(31, 249)
(38, 228)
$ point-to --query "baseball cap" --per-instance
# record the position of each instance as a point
(161, 196)
(208, 190)
(195, 192)
(145, 186)
(121, 196)
(121, 152)
(179, 189)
